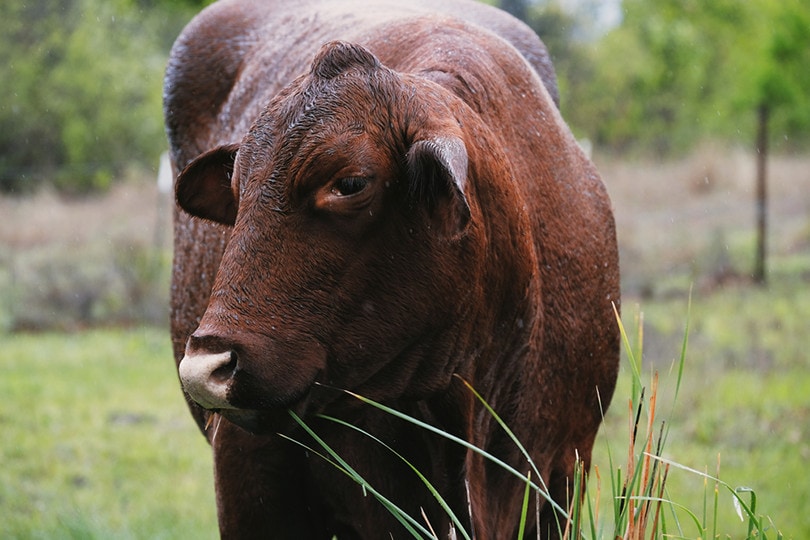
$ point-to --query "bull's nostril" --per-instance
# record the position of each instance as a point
(207, 377)
(226, 371)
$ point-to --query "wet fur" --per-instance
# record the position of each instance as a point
(503, 272)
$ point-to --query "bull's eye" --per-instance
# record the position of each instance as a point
(349, 186)
(344, 195)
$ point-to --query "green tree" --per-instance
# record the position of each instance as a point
(778, 77)
(83, 83)
(676, 71)
(781, 86)
(28, 142)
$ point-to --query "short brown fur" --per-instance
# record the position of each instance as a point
(379, 214)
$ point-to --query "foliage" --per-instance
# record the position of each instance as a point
(83, 81)
(744, 399)
(69, 263)
(639, 503)
(782, 80)
(99, 286)
(674, 72)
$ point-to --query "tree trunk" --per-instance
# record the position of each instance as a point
(763, 113)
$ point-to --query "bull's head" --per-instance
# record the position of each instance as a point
(351, 220)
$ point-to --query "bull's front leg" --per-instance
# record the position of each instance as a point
(259, 486)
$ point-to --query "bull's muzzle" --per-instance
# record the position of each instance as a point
(206, 377)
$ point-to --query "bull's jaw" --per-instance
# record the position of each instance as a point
(262, 422)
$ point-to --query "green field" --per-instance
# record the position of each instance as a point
(97, 442)
(744, 401)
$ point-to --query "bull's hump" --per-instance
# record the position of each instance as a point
(337, 57)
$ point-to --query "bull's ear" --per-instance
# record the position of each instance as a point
(438, 179)
(203, 188)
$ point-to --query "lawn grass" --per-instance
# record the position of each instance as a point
(744, 400)
(97, 441)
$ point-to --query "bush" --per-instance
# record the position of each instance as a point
(83, 80)
(101, 286)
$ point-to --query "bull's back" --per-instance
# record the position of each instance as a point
(236, 55)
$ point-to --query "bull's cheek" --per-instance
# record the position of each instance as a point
(287, 379)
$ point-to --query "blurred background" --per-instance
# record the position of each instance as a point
(697, 114)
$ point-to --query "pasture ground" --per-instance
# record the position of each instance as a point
(97, 442)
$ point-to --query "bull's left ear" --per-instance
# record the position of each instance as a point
(438, 179)
(204, 189)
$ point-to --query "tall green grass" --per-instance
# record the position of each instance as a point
(97, 441)
(637, 503)
(643, 506)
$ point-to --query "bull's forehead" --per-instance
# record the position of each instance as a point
(350, 153)
(315, 119)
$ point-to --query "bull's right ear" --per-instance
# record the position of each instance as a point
(438, 179)
(204, 189)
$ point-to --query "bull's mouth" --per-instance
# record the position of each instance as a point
(278, 418)
(251, 380)
(258, 422)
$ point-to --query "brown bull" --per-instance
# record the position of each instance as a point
(378, 214)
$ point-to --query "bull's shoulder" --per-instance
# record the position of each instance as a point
(204, 64)
(486, 71)
(512, 30)
(212, 46)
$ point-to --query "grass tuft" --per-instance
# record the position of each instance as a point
(642, 506)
